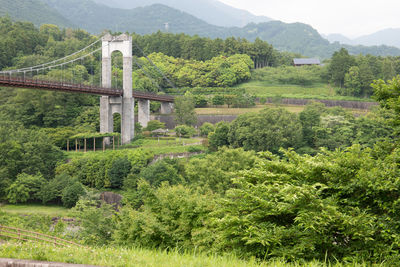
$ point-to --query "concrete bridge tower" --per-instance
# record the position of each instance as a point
(123, 105)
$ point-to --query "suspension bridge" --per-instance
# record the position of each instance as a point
(66, 75)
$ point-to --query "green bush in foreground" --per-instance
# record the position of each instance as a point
(25, 188)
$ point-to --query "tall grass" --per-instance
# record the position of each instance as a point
(116, 256)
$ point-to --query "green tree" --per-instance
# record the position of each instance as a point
(270, 129)
(71, 194)
(185, 131)
(154, 125)
(170, 217)
(387, 93)
(119, 170)
(309, 118)
(215, 171)
(340, 64)
(25, 188)
(352, 82)
(184, 110)
(162, 171)
(206, 128)
(334, 131)
(219, 137)
(52, 190)
(218, 100)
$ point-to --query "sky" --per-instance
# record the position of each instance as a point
(351, 18)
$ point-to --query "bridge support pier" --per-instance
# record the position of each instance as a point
(144, 112)
(166, 107)
(106, 116)
(123, 105)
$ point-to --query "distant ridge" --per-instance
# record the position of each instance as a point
(34, 11)
(211, 11)
(389, 37)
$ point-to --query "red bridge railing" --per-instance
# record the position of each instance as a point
(25, 235)
(18, 82)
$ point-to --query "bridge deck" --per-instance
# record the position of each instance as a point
(77, 88)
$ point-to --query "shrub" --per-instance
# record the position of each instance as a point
(200, 101)
(154, 125)
(194, 149)
(244, 101)
(206, 128)
(185, 131)
(162, 171)
(25, 188)
(97, 220)
(91, 169)
(219, 137)
(71, 194)
(52, 190)
(120, 168)
(218, 100)
(270, 129)
(171, 217)
(214, 171)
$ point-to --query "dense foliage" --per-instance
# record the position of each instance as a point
(354, 74)
(107, 169)
(316, 126)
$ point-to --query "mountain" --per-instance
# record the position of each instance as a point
(142, 20)
(34, 11)
(212, 11)
(387, 37)
(337, 37)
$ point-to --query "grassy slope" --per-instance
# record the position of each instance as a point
(115, 256)
(26, 209)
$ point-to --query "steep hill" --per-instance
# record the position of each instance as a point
(34, 11)
(143, 20)
(211, 11)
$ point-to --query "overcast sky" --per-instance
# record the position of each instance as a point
(349, 17)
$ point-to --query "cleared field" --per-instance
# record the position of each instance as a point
(28, 209)
(317, 91)
(237, 111)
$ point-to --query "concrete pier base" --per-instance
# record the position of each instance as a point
(143, 112)
(166, 108)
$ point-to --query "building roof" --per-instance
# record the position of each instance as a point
(306, 61)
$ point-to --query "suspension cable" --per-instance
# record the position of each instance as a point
(165, 77)
(40, 66)
(146, 74)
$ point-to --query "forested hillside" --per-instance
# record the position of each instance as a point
(35, 11)
(212, 11)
